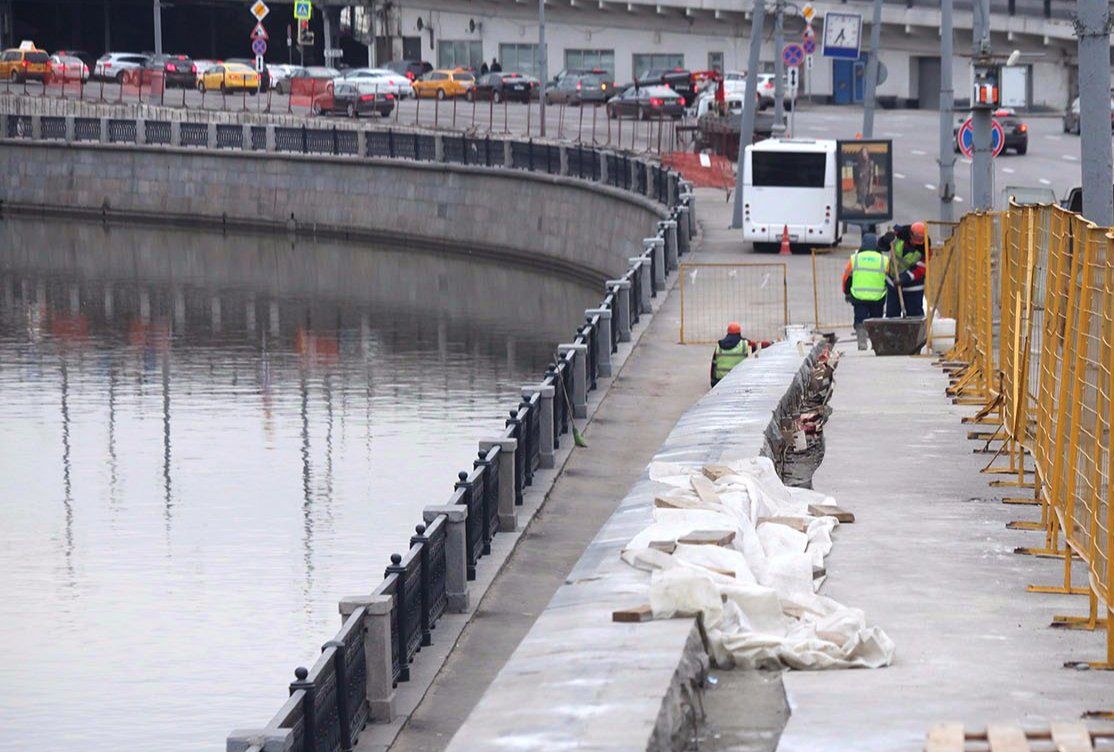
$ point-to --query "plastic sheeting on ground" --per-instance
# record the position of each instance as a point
(757, 592)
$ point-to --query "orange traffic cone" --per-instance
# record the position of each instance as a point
(784, 241)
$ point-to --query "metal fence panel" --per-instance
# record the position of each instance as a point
(714, 294)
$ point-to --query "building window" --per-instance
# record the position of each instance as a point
(459, 54)
(602, 59)
(657, 61)
(519, 58)
(715, 61)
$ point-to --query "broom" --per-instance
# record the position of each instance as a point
(577, 436)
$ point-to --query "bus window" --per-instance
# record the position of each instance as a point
(784, 169)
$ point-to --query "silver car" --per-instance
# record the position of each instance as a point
(115, 66)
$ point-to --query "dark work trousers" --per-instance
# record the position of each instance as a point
(867, 309)
(914, 303)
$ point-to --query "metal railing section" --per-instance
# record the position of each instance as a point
(1032, 292)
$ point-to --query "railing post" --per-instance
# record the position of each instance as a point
(655, 247)
(104, 131)
(621, 287)
(377, 652)
(456, 554)
(420, 539)
(579, 364)
(603, 352)
(683, 236)
(668, 230)
(309, 699)
(562, 160)
(36, 127)
(399, 571)
(175, 132)
(344, 712)
(211, 136)
(141, 131)
(508, 155)
(508, 515)
(70, 128)
(546, 395)
(688, 196)
(245, 137)
(641, 266)
(602, 157)
(438, 148)
(361, 143)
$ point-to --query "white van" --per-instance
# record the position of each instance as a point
(790, 182)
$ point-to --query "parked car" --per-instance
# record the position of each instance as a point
(277, 73)
(1071, 116)
(503, 85)
(312, 72)
(1017, 132)
(264, 76)
(647, 102)
(677, 79)
(354, 99)
(384, 80)
(576, 90)
(81, 55)
(566, 72)
(28, 63)
(115, 66)
(64, 68)
(1073, 202)
(203, 66)
(767, 91)
(177, 70)
(228, 77)
(444, 83)
(412, 69)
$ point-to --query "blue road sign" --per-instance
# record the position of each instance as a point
(259, 46)
(810, 45)
(793, 54)
(965, 138)
(303, 9)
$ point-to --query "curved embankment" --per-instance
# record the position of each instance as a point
(575, 227)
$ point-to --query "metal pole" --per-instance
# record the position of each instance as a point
(947, 105)
(746, 125)
(543, 64)
(370, 33)
(871, 82)
(779, 68)
(327, 28)
(982, 164)
(1092, 28)
(158, 27)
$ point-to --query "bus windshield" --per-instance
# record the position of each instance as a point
(785, 169)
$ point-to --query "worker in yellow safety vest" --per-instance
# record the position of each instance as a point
(732, 350)
(864, 284)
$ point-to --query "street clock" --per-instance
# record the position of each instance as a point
(843, 35)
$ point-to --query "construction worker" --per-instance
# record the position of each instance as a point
(906, 245)
(730, 352)
(864, 284)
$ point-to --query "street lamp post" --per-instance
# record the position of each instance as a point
(746, 122)
(947, 104)
(1092, 28)
(543, 64)
(158, 27)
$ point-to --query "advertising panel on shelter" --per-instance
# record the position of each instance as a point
(866, 185)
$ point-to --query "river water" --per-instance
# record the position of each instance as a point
(208, 440)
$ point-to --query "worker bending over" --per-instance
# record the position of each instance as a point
(864, 284)
(906, 246)
(732, 350)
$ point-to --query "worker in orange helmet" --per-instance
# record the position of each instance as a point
(908, 251)
(732, 350)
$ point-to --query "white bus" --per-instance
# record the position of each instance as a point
(790, 183)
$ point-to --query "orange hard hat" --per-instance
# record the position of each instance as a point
(916, 231)
(734, 328)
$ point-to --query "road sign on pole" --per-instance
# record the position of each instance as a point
(259, 47)
(259, 9)
(259, 64)
(793, 54)
(259, 32)
(809, 45)
(965, 138)
(303, 10)
(808, 12)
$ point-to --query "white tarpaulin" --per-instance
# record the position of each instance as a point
(756, 592)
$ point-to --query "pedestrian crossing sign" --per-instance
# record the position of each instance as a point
(303, 9)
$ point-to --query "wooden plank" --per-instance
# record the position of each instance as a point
(705, 489)
(1071, 737)
(945, 737)
(715, 472)
(667, 546)
(831, 510)
(633, 615)
(800, 524)
(681, 502)
(1004, 738)
(708, 537)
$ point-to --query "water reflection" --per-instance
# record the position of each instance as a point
(208, 441)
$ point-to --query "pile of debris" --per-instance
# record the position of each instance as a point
(802, 429)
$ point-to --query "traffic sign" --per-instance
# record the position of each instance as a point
(259, 9)
(809, 44)
(793, 76)
(303, 10)
(259, 47)
(808, 62)
(965, 137)
(259, 64)
(793, 54)
(808, 12)
(842, 35)
(259, 32)
(333, 52)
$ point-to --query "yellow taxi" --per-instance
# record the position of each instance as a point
(227, 77)
(27, 63)
(444, 83)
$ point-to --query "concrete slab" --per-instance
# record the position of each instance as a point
(930, 561)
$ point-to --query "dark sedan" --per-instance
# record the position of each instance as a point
(580, 89)
(497, 87)
(177, 70)
(647, 102)
(1017, 131)
(354, 100)
(677, 79)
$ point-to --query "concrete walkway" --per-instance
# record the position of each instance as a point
(930, 561)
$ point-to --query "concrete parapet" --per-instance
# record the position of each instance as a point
(456, 553)
(622, 305)
(508, 515)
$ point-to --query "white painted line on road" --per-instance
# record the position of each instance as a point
(930, 186)
(919, 153)
(1069, 158)
(1046, 181)
(899, 175)
(891, 134)
(959, 199)
(1008, 170)
(1054, 138)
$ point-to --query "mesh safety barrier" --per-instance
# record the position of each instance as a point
(712, 295)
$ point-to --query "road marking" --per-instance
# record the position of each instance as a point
(919, 153)
(965, 160)
(959, 199)
(891, 134)
(1069, 158)
(899, 176)
(1046, 181)
(1054, 138)
(930, 186)
(1008, 170)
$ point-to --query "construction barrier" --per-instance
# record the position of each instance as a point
(830, 309)
(712, 295)
(1032, 292)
